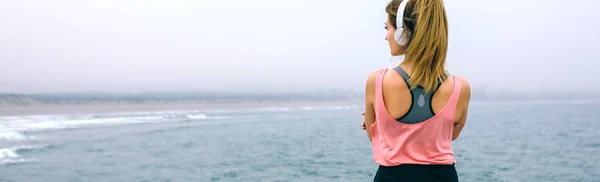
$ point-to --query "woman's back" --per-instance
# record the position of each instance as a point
(398, 99)
(414, 126)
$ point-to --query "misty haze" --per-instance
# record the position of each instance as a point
(266, 45)
(272, 90)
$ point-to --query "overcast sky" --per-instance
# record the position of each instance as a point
(255, 45)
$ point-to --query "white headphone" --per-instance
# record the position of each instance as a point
(399, 34)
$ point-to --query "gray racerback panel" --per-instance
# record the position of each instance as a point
(420, 109)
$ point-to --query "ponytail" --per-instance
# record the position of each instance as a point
(428, 45)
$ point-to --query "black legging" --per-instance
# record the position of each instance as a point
(416, 173)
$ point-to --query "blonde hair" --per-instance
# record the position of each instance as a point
(426, 27)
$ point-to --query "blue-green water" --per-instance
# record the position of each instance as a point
(512, 142)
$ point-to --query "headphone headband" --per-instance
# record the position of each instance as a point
(399, 34)
(400, 14)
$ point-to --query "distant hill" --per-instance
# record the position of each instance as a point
(8, 99)
(492, 95)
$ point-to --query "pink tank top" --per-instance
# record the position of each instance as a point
(428, 142)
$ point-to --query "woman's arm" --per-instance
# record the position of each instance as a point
(369, 118)
(464, 99)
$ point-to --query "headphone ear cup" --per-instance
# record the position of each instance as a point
(400, 37)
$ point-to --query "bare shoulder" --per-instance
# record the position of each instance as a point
(465, 90)
(372, 78)
(371, 84)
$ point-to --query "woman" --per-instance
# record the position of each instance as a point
(414, 111)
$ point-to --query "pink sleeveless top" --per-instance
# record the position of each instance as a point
(428, 142)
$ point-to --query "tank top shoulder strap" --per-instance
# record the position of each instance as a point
(453, 100)
(379, 86)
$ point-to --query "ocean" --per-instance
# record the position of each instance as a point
(502, 142)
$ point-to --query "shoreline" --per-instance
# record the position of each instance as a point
(99, 108)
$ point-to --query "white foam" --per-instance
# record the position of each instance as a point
(15, 161)
(197, 116)
(152, 113)
(43, 125)
(12, 127)
(308, 108)
(8, 153)
(204, 117)
(11, 156)
(13, 135)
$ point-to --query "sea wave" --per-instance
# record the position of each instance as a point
(11, 155)
(13, 128)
